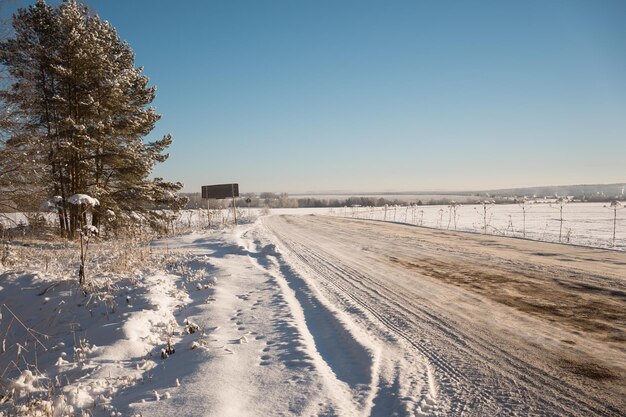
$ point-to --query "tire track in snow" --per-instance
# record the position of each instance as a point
(450, 378)
(347, 360)
(511, 379)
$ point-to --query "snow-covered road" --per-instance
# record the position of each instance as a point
(467, 324)
(306, 315)
(266, 343)
(323, 316)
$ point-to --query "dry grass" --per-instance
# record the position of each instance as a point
(122, 257)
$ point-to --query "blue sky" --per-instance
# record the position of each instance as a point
(384, 96)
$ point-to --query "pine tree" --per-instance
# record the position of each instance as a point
(20, 179)
(84, 110)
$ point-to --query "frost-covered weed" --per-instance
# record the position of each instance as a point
(108, 259)
(559, 204)
(115, 266)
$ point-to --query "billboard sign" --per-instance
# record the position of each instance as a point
(220, 191)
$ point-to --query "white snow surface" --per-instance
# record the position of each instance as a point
(250, 337)
(260, 349)
(83, 199)
(306, 317)
(586, 224)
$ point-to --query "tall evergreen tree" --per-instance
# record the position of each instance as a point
(83, 110)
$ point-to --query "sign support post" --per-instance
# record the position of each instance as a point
(208, 211)
(220, 192)
(234, 204)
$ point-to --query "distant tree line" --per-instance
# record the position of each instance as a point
(283, 200)
(586, 192)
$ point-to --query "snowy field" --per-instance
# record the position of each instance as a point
(323, 315)
(585, 224)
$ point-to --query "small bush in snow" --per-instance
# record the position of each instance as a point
(615, 206)
(86, 231)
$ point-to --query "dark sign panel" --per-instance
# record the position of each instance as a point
(220, 191)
